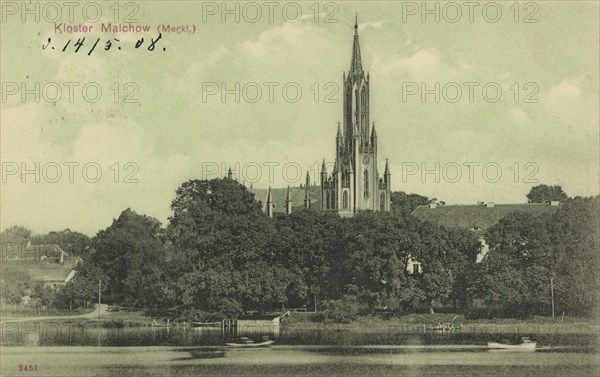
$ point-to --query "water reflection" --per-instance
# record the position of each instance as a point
(81, 334)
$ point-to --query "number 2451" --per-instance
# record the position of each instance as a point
(27, 368)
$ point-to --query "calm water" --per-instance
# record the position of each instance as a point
(290, 361)
(79, 351)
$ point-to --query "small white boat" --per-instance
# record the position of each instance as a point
(526, 345)
(245, 342)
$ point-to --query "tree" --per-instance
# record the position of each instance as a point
(44, 296)
(128, 257)
(15, 235)
(575, 242)
(15, 282)
(446, 256)
(545, 194)
(514, 277)
(226, 243)
(405, 204)
(73, 243)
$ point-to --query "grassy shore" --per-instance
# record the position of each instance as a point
(376, 324)
(415, 322)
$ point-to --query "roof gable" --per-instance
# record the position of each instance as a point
(278, 196)
(477, 217)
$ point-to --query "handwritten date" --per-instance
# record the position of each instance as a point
(90, 45)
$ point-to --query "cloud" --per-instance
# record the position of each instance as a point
(375, 25)
(422, 64)
(285, 39)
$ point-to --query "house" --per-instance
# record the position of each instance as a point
(267, 323)
(413, 266)
(478, 218)
(54, 275)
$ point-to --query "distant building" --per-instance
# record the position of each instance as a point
(54, 275)
(287, 200)
(413, 266)
(478, 218)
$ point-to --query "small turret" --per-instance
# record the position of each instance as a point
(387, 177)
(323, 173)
(373, 132)
(269, 204)
(229, 173)
(288, 202)
(306, 192)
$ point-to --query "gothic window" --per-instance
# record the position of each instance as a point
(382, 202)
(366, 184)
(332, 204)
(363, 108)
(345, 200)
(357, 106)
(327, 200)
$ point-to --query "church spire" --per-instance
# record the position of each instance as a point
(356, 65)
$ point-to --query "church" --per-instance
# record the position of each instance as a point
(355, 183)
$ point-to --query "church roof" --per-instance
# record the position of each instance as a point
(278, 196)
(478, 217)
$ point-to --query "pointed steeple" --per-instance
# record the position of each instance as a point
(269, 206)
(356, 65)
(306, 199)
(306, 193)
(387, 178)
(323, 173)
(288, 202)
(373, 132)
(339, 132)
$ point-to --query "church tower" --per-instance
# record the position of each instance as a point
(355, 184)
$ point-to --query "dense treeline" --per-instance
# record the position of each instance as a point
(220, 255)
(527, 251)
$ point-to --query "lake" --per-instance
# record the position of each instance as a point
(79, 351)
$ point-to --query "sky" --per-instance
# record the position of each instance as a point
(480, 104)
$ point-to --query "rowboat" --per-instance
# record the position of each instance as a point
(245, 342)
(526, 345)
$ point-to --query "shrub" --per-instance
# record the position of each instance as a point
(339, 311)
